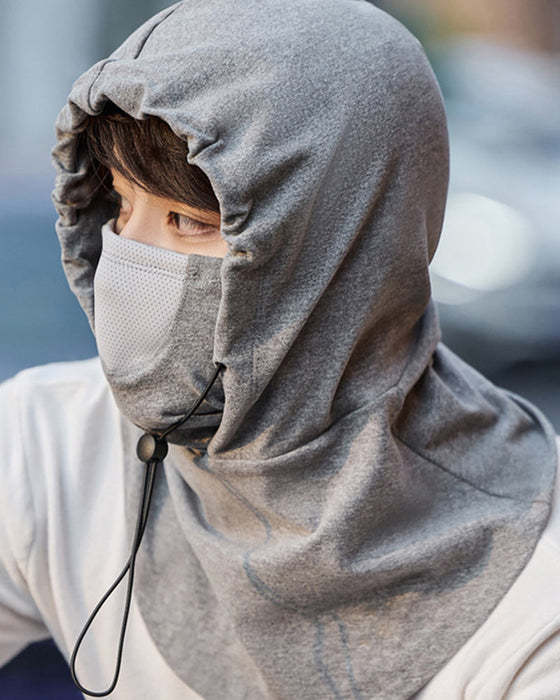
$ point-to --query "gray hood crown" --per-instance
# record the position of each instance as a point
(367, 498)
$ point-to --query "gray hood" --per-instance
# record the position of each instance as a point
(368, 498)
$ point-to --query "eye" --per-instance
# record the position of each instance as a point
(187, 226)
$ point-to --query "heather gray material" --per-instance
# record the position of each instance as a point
(368, 498)
(155, 314)
(137, 293)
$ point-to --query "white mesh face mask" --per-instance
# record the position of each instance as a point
(155, 314)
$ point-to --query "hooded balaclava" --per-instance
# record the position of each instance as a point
(367, 498)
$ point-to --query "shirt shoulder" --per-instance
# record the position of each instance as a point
(46, 414)
(39, 409)
(62, 489)
(43, 408)
(58, 379)
(516, 653)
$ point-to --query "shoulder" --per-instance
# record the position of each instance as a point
(55, 421)
(516, 652)
(55, 382)
(62, 486)
(43, 406)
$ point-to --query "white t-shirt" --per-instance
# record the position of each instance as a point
(63, 539)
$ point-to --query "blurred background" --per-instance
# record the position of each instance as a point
(496, 276)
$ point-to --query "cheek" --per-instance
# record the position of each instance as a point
(220, 248)
(214, 248)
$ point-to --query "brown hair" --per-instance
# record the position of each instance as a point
(150, 154)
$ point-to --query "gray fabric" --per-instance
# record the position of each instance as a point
(137, 292)
(367, 498)
(155, 314)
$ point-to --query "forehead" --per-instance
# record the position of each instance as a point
(126, 185)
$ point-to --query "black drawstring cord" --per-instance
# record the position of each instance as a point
(151, 449)
(196, 404)
(147, 490)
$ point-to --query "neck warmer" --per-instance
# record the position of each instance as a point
(367, 498)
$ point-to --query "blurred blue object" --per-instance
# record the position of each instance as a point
(38, 674)
(41, 320)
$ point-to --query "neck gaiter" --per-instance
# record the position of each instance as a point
(155, 315)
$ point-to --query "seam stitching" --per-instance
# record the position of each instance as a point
(453, 474)
(136, 55)
(156, 25)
